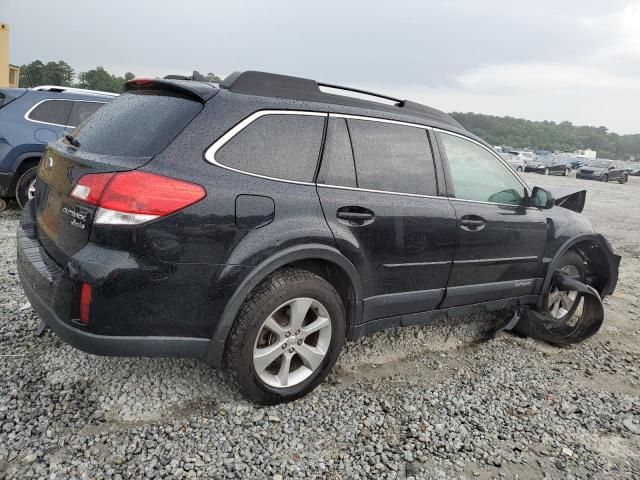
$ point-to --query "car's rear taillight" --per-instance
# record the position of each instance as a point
(130, 198)
(85, 303)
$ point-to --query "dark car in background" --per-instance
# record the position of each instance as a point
(31, 118)
(549, 165)
(258, 223)
(604, 170)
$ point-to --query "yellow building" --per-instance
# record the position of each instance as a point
(9, 74)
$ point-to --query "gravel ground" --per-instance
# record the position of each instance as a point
(415, 403)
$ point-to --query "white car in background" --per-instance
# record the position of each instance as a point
(514, 161)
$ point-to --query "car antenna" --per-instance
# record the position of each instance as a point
(29, 77)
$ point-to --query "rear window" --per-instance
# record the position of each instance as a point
(51, 111)
(337, 167)
(279, 146)
(137, 124)
(392, 157)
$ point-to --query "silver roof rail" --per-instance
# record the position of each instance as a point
(55, 88)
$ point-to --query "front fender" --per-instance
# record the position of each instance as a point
(599, 256)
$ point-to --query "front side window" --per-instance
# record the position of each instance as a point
(479, 175)
(392, 157)
(52, 111)
(280, 146)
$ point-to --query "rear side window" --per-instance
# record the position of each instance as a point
(392, 157)
(280, 146)
(52, 111)
(337, 159)
(82, 111)
(137, 124)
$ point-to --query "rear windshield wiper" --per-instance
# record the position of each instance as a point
(72, 140)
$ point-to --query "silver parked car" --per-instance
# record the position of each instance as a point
(514, 161)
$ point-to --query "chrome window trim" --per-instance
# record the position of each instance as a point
(210, 153)
(379, 120)
(340, 187)
(26, 115)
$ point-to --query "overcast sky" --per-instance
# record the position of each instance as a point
(575, 60)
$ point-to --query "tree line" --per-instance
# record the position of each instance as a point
(552, 136)
(62, 74)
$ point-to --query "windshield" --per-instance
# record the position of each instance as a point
(599, 163)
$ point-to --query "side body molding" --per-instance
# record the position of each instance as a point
(215, 351)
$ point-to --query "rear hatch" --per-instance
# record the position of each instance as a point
(123, 135)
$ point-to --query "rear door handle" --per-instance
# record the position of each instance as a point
(354, 215)
(472, 223)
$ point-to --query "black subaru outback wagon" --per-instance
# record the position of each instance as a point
(257, 223)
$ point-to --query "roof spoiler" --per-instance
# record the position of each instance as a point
(197, 90)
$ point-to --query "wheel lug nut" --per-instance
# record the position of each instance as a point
(297, 332)
(299, 342)
(284, 347)
(291, 350)
(288, 334)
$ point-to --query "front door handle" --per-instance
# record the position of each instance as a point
(472, 223)
(354, 215)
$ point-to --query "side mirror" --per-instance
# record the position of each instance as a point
(541, 198)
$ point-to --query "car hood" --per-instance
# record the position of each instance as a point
(571, 198)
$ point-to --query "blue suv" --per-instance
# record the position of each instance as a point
(31, 118)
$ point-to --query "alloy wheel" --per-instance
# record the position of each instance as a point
(561, 302)
(31, 191)
(292, 342)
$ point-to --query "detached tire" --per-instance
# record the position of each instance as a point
(25, 188)
(286, 337)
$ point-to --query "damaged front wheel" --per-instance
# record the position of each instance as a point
(573, 310)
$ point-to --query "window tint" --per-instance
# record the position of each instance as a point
(81, 111)
(280, 146)
(479, 175)
(337, 159)
(52, 111)
(137, 124)
(392, 157)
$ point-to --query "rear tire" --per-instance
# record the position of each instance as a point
(605, 178)
(268, 356)
(25, 187)
(624, 178)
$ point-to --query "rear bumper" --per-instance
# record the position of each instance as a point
(52, 294)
